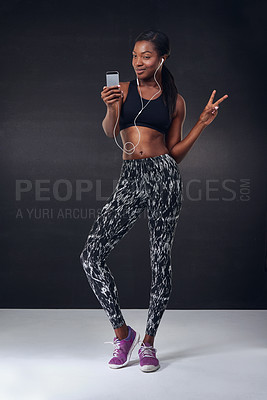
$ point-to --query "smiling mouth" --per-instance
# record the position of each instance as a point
(139, 70)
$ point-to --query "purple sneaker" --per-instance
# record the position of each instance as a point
(148, 359)
(123, 349)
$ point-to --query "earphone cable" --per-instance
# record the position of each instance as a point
(143, 107)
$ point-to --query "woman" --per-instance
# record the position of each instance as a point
(149, 179)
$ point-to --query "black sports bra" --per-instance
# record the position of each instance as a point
(155, 115)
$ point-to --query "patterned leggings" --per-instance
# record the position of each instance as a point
(153, 183)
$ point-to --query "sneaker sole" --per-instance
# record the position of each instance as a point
(149, 368)
(136, 340)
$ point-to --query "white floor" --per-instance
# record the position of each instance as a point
(61, 355)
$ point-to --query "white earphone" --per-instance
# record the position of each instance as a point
(158, 67)
(140, 94)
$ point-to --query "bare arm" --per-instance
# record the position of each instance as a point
(181, 147)
(112, 96)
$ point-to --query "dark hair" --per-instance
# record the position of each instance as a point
(162, 46)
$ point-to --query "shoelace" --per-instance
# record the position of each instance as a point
(116, 344)
(147, 351)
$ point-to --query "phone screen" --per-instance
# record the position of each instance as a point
(112, 78)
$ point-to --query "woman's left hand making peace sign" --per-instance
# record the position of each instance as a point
(211, 110)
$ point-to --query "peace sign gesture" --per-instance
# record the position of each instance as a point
(211, 110)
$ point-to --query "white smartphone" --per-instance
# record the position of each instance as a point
(112, 78)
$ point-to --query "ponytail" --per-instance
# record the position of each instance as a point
(170, 91)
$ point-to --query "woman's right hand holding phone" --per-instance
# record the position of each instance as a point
(111, 95)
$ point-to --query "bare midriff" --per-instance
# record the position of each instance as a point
(151, 142)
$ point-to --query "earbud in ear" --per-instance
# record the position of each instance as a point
(161, 62)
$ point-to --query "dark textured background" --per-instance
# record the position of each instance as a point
(54, 55)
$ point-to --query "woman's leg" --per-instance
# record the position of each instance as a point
(163, 211)
(115, 219)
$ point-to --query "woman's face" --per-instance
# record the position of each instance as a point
(145, 59)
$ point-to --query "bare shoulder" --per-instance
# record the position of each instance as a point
(124, 88)
(180, 108)
(124, 85)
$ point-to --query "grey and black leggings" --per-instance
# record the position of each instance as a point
(153, 184)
